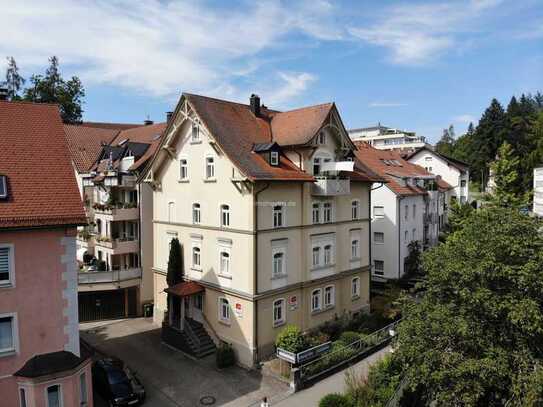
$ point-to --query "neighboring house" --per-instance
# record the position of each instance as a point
(538, 191)
(409, 206)
(40, 210)
(454, 172)
(273, 218)
(115, 251)
(386, 138)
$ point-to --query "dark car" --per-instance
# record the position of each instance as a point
(116, 384)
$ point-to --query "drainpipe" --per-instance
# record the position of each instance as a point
(255, 268)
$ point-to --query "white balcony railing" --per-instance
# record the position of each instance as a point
(119, 246)
(94, 277)
(332, 186)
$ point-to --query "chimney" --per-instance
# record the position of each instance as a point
(169, 116)
(255, 104)
(3, 93)
(147, 122)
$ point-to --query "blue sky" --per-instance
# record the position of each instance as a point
(417, 65)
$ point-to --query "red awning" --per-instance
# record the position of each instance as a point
(184, 289)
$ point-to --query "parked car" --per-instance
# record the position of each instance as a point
(116, 384)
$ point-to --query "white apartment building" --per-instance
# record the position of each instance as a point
(409, 206)
(386, 138)
(538, 191)
(272, 215)
(454, 172)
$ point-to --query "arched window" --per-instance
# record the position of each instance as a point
(225, 215)
(278, 218)
(278, 264)
(355, 209)
(195, 136)
(316, 300)
(327, 254)
(196, 257)
(354, 249)
(225, 263)
(224, 310)
(316, 256)
(196, 218)
(210, 167)
(355, 287)
(171, 211)
(279, 312)
(329, 296)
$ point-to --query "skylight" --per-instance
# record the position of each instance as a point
(3, 187)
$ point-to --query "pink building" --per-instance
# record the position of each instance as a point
(40, 209)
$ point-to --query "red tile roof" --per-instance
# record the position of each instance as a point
(111, 126)
(377, 161)
(185, 288)
(85, 144)
(42, 190)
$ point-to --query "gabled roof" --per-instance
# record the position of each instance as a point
(459, 165)
(42, 189)
(391, 166)
(85, 144)
(111, 126)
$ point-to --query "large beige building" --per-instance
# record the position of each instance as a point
(272, 212)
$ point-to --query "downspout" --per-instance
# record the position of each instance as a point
(255, 269)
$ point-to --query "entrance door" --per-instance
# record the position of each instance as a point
(198, 307)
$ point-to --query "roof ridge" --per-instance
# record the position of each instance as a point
(309, 107)
(27, 102)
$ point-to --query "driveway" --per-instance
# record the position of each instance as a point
(172, 379)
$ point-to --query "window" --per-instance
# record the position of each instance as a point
(278, 220)
(54, 396)
(7, 334)
(316, 166)
(315, 211)
(406, 210)
(224, 310)
(183, 169)
(196, 257)
(379, 267)
(274, 158)
(199, 302)
(210, 167)
(316, 256)
(414, 234)
(462, 183)
(354, 249)
(83, 389)
(405, 236)
(171, 211)
(322, 138)
(6, 265)
(196, 218)
(378, 211)
(329, 297)
(195, 136)
(3, 187)
(225, 263)
(355, 287)
(279, 312)
(225, 215)
(327, 212)
(355, 209)
(378, 237)
(327, 254)
(414, 211)
(316, 300)
(278, 264)
(22, 397)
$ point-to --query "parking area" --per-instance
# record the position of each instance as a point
(172, 379)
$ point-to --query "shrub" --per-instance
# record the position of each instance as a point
(335, 400)
(101, 265)
(291, 339)
(225, 356)
(334, 328)
(316, 338)
(349, 337)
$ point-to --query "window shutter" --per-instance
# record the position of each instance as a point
(4, 263)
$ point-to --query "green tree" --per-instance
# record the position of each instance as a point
(459, 214)
(445, 145)
(14, 81)
(413, 259)
(506, 174)
(463, 147)
(175, 263)
(52, 88)
(476, 337)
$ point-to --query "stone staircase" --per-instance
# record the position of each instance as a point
(198, 339)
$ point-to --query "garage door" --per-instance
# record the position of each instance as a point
(99, 305)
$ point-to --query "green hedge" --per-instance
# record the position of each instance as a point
(225, 356)
(335, 400)
(291, 339)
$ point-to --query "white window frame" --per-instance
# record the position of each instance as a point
(355, 249)
(378, 241)
(225, 266)
(274, 158)
(316, 213)
(381, 272)
(61, 398)
(283, 309)
(14, 334)
(355, 287)
(278, 215)
(225, 215)
(329, 289)
(225, 319)
(327, 212)
(375, 215)
(183, 168)
(355, 209)
(316, 294)
(316, 250)
(321, 138)
(328, 254)
(195, 136)
(196, 249)
(209, 169)
(10, 282)
(283, 255)
(196, 213)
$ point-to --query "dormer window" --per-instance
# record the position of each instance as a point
(274, 158)
(3, 187)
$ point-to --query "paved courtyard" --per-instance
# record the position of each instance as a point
(172, 379)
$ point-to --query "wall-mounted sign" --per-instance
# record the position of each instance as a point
(293, 302)
(238, 310)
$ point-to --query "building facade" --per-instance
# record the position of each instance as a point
(538, 191)
(40, 209)
(386, 138)
(272, 215)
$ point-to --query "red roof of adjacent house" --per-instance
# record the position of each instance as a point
(391, 166)
(442, 184)
(185, 288)
(41, 185)
(85, 144)
(110, 126)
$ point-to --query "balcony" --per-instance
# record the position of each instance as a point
(113, 276)
(120, 245)
(119, 212)
(331, 186)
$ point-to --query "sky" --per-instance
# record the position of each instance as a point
(414, 65)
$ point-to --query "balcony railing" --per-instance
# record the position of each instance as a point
(119, 245)
(126, 211)
(332, 186)
(94, 277)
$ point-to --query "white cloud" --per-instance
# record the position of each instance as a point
(465, 119)
(162, 47)
(415, 34)
(292, 85)
(386, 104)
